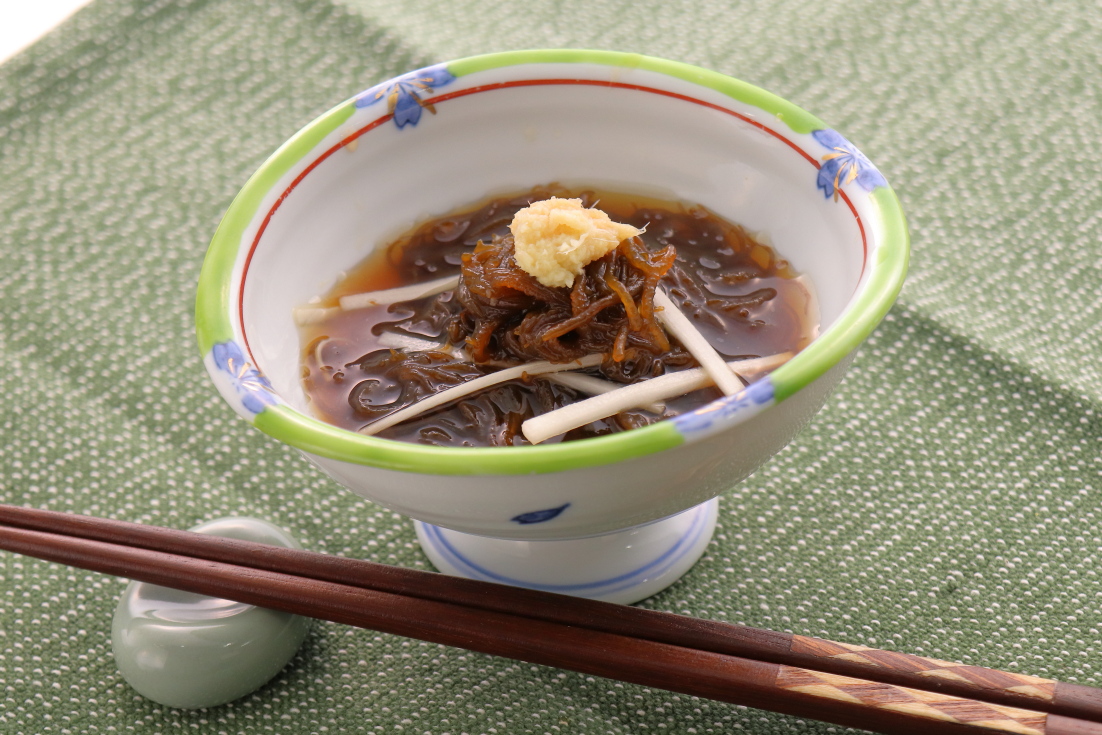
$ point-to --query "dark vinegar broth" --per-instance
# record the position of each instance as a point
(736, 290)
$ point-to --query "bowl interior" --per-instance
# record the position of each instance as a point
(444, 138)
(507, 140)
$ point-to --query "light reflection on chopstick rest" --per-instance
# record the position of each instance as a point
(186, 650)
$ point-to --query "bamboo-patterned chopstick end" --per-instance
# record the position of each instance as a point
(931, 708)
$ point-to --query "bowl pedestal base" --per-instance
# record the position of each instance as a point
(625, 566)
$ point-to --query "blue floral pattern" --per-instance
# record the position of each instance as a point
(405, 95)
(539, 516)
(756, 397)
(843, 165)
(252, 388)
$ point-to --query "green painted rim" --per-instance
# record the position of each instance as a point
(212, 302)
(799, 120)
(865, 312)
(325, 440)
(214, 321)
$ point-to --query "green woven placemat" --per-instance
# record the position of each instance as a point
(945, 502)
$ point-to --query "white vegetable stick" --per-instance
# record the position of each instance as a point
(394, 295)
(562, 420)
(596, 386)
(473, 386)
(679, 326)
(317, 352)
(397, 341)
(756, 365)
(305, 315)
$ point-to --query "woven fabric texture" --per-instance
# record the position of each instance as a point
(946, 502)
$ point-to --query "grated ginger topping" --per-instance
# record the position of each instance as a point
(556, 238)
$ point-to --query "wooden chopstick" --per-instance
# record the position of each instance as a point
(801, 676)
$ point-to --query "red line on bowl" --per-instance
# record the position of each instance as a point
(505, 85)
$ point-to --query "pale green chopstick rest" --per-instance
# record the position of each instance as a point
(190, 651)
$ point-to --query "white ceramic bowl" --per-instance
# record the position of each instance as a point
(435, 139)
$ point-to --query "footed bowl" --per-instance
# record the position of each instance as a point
(616, 517)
